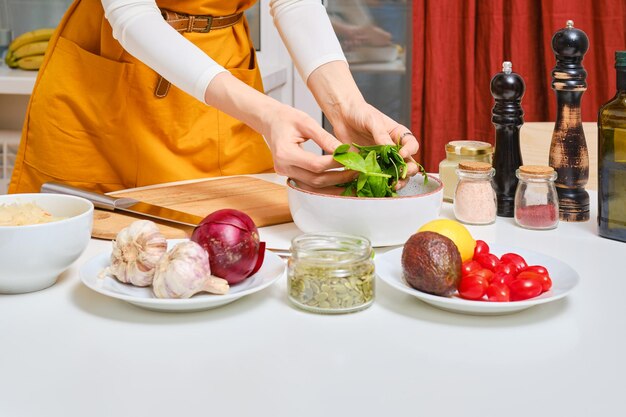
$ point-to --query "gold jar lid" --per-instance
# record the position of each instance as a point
(474, 166)
(469, 147)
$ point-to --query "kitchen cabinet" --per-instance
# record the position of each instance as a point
(15, 89)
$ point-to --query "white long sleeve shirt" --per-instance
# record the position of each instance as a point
(138, 25)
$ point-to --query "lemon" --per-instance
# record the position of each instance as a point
(456, 232)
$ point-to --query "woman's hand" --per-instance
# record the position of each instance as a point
(353, 119)
(285, 132)
(285, 129)
(363, 124)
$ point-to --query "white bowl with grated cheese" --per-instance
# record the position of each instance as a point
(41, 235)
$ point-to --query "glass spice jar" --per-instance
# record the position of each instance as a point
(474, 196)
(331, 273)
(536, 200)
(456, 151)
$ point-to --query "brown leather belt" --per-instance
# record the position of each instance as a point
(185, 23)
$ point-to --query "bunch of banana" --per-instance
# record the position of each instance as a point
(27, 50)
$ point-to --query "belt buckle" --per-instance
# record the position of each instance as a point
(209, 23)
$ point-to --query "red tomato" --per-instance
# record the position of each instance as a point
(515, 259)
(525, 288)
(470, 266)
(480, 248)
(544, 280)
(485, 273)
(501, 278)
(488, 261)
(505, 267)
(538, 269)
(473, 287)
(498, 292)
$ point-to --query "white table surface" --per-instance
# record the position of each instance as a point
(67, 351)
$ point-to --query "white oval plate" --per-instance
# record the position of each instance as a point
(564, 279)
(90, 274)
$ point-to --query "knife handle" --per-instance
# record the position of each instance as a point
(100, 201)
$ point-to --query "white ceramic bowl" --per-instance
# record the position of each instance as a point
(33, 256)
(384, 221)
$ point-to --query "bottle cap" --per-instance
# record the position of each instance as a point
(469, 147)
(537, 170)
(474, 166)
(620, 58)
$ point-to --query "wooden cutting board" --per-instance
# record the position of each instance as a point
(265, 202)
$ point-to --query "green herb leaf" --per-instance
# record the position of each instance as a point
(380, 167)
(351, 160)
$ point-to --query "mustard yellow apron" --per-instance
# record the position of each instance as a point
(93, 120)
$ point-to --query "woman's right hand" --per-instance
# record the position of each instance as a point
(286, 131)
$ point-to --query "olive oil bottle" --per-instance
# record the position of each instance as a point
(612, 159)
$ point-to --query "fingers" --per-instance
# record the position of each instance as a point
(328, 179)
(376, 126)
(407, 139)
(322, 138)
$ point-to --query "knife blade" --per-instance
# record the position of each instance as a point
(124, 204)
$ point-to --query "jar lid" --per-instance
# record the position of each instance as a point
(536, 170)
(469, 147)
(474, 166)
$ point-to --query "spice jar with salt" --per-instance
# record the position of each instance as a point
(474, 196)
(536, 199)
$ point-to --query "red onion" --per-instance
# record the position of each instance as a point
(232, 241)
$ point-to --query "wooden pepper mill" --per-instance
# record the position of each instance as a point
(568, 150)
(507, 88)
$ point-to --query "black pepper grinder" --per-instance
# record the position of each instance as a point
(568, 150)
(507, 88)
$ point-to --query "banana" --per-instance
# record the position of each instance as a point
(30, 62)
(37, 35)
(10, 60)
(30, 49)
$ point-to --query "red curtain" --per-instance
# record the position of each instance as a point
(460, 44)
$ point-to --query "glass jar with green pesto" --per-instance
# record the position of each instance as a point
(331, 273)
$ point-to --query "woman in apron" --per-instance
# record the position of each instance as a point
(103, 115)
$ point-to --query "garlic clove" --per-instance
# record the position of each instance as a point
(185, 271)
(216, 285)
(136, 251)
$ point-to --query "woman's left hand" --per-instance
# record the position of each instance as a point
(353, 119)
(361, 123)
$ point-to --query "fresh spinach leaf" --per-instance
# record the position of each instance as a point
(380, 167)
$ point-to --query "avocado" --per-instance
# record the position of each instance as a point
(431, 263)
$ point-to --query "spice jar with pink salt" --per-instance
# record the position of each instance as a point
(536, 200)
(474, 197)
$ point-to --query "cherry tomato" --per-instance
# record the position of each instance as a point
(544, 280)
(538, 269)
(480, 248)
(488, 261)
(505, 267)
(473, 287)
(470, 266)
(498, 292)
(525, 288)
(485, 273)
(515, 259)
(501, 278)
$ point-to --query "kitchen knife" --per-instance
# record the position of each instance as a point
(128, 205)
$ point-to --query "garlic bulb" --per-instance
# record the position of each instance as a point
(136, 252)
(185, 271)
